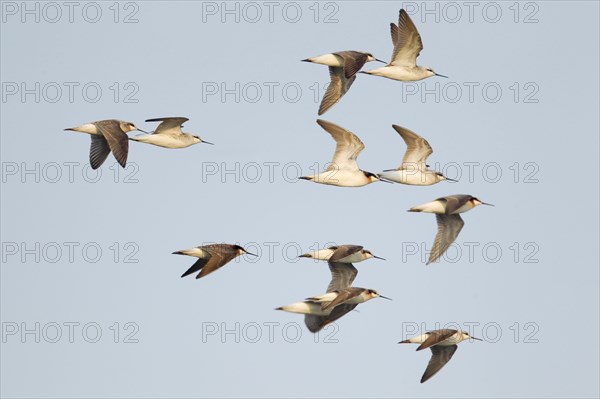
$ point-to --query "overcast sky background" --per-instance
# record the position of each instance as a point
(541, 133)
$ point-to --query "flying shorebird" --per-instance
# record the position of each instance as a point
(341, 254)
(340, 299)
(343, 170)
(348, 296)
(414, 169)
(107, 135)
(211, 257)
(342, 275)
(169, 135)
(447, 210)
(343, 66)
(443, 344)
(407, 47)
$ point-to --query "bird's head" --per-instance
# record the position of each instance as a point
(371, 57)
(465, 336)
(476, 201)
(368, 254)
(242, 251)
(371, 176)
(374, 294)
(431, 72)
(128, 126)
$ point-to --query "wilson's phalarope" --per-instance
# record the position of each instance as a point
(343, 170)
(447, 210)
(343, 66)
(443, 344)
(341, 254)
(318, 311)
(407, 46)
(169, 135)
(413, 170)
(107, 135)
(211, 257)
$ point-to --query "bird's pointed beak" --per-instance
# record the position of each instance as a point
(250, 253)
(378, 257)
(140, 130)
(385, 297)
(449, 179)
(383, 179)
(207, 142)
(376, 59)
(304, 256)
(442, 76)
(478, 339)
(485, 203)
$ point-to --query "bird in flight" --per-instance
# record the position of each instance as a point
(443, 343)
(343, 171)
(343, 66)
(414, 169)
(447, 210)
(407, 47)
(107, 135)
(168, 134)
(211, 257)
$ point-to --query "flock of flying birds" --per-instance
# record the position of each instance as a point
(340, 297)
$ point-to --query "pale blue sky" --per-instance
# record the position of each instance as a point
(541, 134)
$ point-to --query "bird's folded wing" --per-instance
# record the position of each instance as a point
(342, 297)
(435, 337)
(344, 251)
(455, 202)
